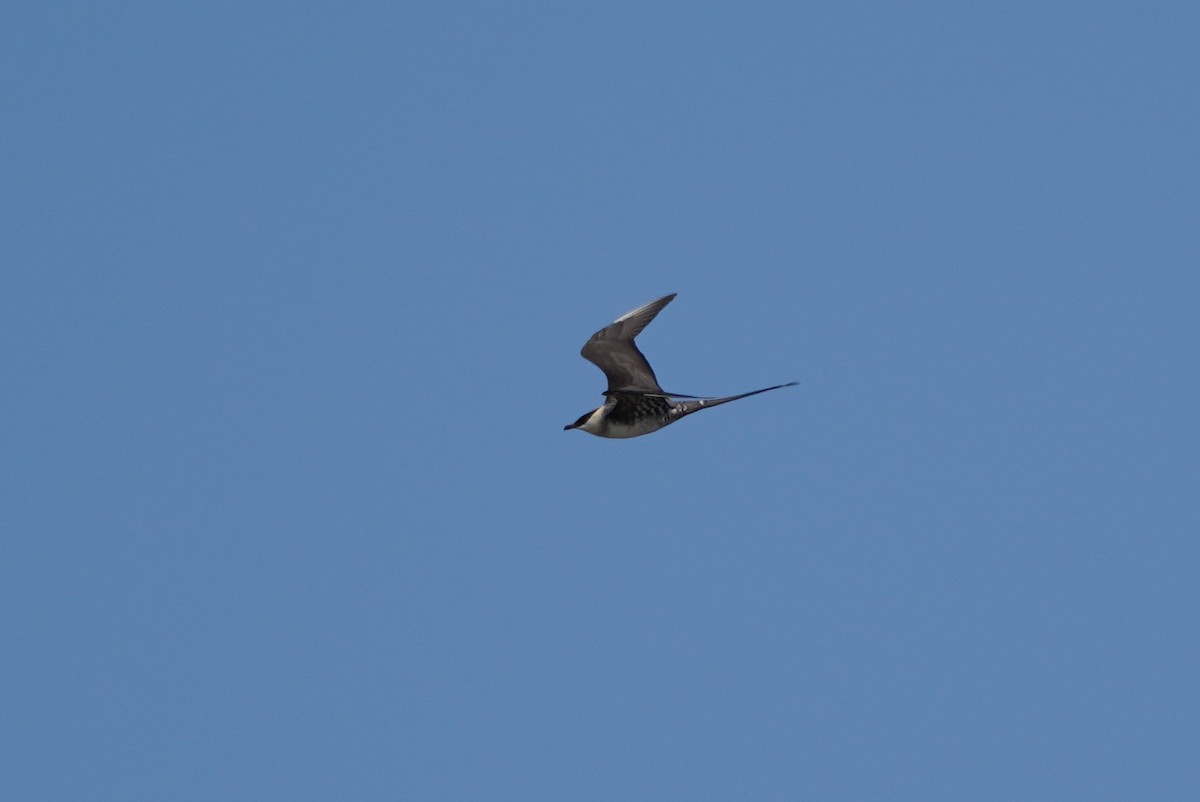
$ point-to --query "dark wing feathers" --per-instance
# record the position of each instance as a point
(613, 351)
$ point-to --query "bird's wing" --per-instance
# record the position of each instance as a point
(613, 351)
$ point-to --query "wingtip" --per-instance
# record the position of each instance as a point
(649, 310)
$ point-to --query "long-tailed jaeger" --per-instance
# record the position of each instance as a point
(634, 404)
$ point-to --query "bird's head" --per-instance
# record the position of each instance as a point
(583, 421)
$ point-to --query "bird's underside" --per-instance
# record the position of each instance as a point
(634, 402)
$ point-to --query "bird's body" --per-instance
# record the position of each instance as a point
(634, 403)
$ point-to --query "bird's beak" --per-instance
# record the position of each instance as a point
(570, 426)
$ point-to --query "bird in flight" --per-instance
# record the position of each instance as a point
(634, 404)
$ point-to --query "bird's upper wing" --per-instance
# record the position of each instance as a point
(613, 351)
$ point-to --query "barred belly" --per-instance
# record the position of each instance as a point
(633, 415)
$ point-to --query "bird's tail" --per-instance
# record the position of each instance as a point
(704, 403)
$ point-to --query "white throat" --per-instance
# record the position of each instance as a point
(594, 422)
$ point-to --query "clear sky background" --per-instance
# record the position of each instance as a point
(292, 296)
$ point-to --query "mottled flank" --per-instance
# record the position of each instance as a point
(632, 409)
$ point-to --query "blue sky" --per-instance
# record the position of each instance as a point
(292, 301)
